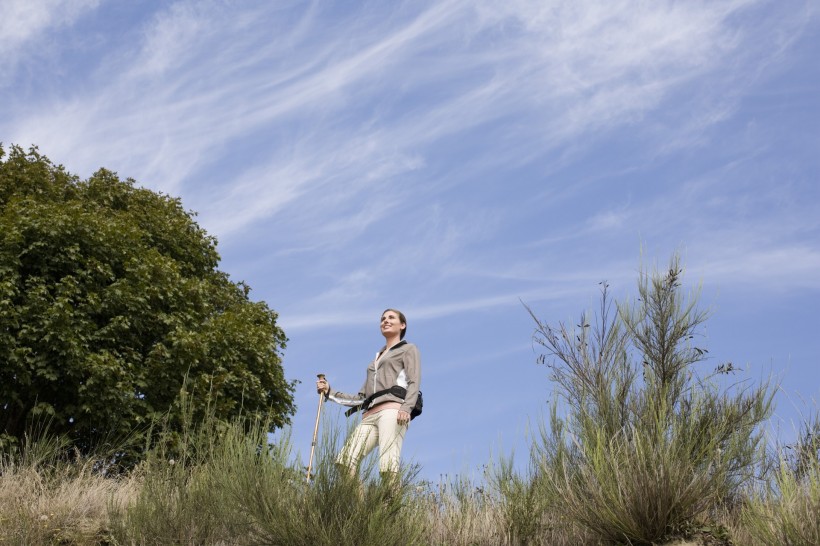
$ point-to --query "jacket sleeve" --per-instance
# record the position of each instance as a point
(346, 399)
(412, 371)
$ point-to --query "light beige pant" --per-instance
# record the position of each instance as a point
(381, 428)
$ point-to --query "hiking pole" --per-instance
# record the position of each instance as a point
(315, 428)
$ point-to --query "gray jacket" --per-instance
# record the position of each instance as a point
(401, 365)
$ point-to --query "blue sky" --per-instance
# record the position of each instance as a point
(453, 159)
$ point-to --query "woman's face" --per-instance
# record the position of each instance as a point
(391, 324)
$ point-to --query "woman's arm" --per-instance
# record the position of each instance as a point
(340, 397)
(412, 372)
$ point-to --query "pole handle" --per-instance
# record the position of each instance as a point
(315, 430)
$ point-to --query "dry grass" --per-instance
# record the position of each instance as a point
(457, 512)
(64, 504)
(786, 514)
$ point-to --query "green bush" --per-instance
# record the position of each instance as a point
(647, 446)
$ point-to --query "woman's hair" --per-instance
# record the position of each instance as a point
(401, 318)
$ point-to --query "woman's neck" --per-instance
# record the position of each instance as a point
(391, 341)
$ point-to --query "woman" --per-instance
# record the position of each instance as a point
(386, 408)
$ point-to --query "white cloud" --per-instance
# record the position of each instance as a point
(23, 21)
(320, 126)
(206, 77)
(770, 270)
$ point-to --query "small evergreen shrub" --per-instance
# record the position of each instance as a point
(647, 446)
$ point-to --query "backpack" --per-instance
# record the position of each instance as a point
(416, 411)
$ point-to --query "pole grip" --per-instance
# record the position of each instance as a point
(315, 430)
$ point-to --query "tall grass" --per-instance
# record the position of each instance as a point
(334, 508)
(228, 486)
(787, 514)
(787, 511)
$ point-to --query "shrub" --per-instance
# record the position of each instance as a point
(647, 445)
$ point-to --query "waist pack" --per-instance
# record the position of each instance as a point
(395, 390)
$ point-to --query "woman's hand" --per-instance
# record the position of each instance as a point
(322, 386)
(403, 418)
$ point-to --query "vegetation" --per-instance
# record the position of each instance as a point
(116, 324)
(642, 449)
(649, 449)
(229, 489)
(785, 510)
(111, 305)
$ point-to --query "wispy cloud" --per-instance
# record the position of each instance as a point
(332, 123)
(205, 79)
(27, 22)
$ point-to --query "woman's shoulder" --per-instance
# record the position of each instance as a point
(403, 346)
(406, 346)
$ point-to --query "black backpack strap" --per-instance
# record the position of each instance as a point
(395, 390)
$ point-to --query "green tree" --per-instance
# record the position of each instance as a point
(113, 311)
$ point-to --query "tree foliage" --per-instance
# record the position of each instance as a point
(112, 310)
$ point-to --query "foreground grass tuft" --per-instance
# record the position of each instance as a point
(785, 512)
